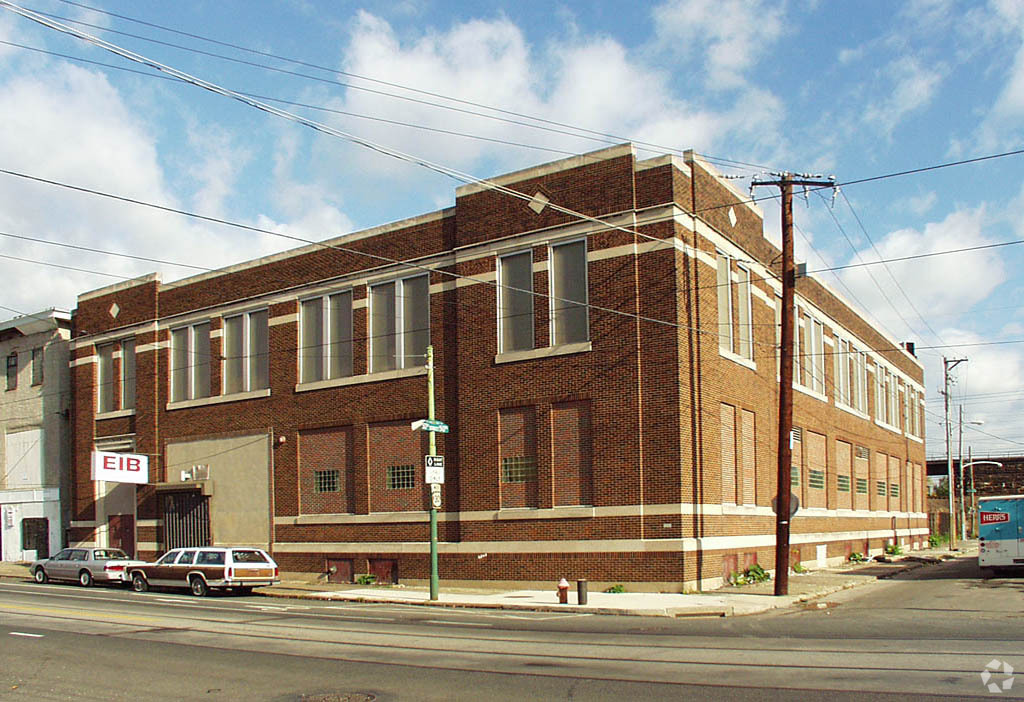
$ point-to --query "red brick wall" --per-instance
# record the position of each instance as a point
(517, 438)
(395, 444)
(572, 458)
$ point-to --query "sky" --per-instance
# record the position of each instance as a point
(855, 90)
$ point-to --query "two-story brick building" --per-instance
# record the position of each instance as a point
(610, 381)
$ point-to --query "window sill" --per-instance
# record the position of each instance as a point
(219, 399)
(116, 414)
(544, 352)
(359, 379)
(563, 512)
(915, 439)
(890, 427)
(736, 358)
(810, 393)
(850, 410)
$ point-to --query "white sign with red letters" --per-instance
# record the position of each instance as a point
(994, 517)
(120, 467)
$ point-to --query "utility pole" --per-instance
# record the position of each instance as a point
(785, 182)
(432, 451)
(949, 364)
(960, 460)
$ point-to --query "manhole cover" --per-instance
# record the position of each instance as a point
(339, 697)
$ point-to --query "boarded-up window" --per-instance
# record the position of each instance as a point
(748, 457)
(796, 440)
(860, 479)
(392, 448)
(571, 453)
(894, 483)
(24, 464)
(879, 475)
(326, 471)
(844, 493)
(517, 454)
(728, 431)
(816, 468)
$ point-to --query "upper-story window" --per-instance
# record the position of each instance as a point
(325, 337)
(851, 376)
(723, 281)
(37, 366)
(568, 274)
(515, 302)
(127, 373)
(745, 348)
(105, 378)
(12, 371)
(190, 362)
(246, 352)
(399, 323)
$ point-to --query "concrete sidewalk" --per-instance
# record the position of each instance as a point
(727, 601)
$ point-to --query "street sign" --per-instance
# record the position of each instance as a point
(435, 495)
(433, 470)
(435, 425)
(794, 505)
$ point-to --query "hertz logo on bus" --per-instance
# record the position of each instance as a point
(994, 517)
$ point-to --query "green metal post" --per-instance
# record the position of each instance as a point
(434, 580)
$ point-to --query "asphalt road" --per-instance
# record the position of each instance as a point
(930, 632)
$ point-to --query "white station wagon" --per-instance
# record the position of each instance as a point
(204, 568)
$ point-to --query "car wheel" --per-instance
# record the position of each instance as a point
(41, 576)
(198, 586)
(85, 578)
(139, 583)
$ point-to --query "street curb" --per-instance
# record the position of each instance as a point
(571, 609)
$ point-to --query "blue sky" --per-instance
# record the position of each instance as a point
(855, 90)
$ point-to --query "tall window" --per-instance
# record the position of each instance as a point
(12, 371)
(568, 272)
(746, 347)
(326, 337)
(817, 356)
(105, 378)
(515, 302)
(399, 323)
(37, 366)
(127, 373)
(724, 287)
(190, 362)
(246, 352)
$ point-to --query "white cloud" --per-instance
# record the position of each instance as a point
(937, 285)
(913, 87)
(919, 204)
(731, 34)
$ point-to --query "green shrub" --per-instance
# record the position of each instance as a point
(893, 550)
(936, 540)
(799, 569)
(753, 574)
(366, 579)
(857, 557)
(616, 589)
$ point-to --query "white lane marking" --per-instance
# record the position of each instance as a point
(441, 621)
(26, 635)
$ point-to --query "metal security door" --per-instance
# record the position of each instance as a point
(186, 520)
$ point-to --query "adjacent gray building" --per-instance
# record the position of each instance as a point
(34, 420)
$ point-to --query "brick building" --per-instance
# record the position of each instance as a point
(611, 388)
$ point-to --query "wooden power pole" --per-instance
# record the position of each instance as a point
(783, 500)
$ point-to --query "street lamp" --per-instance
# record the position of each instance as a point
(960, 460)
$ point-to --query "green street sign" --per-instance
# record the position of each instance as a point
(435, 425)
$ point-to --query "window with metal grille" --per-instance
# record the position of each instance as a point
(894, 490)
(326, 480)
(816, 479)
(843, 483)
(796, 435)
(880, 488)
(862, 486)
(401, 477)
(862, 452)
(518, 469)
(794, 479)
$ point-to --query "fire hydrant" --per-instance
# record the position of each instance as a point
(563, 591)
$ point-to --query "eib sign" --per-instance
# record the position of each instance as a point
(120, 467)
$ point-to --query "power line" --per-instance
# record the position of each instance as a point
(101, 251)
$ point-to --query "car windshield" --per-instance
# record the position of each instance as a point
(248, 556)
